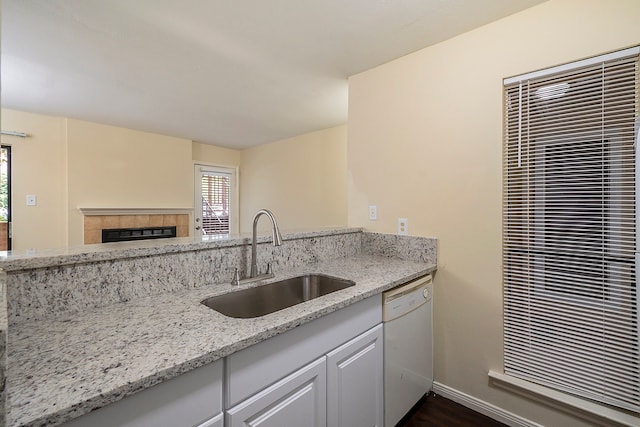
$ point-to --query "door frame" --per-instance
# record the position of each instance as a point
(9, 198)
(234, 205)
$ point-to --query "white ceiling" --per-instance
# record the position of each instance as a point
(235, 73)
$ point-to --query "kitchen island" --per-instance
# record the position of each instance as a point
(64, 364)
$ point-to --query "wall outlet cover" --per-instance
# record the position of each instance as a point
(403, 227)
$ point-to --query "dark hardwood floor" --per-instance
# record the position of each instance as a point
(436, 411)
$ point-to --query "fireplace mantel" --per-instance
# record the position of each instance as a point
(134, 211)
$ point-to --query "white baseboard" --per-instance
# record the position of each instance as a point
(483, 407)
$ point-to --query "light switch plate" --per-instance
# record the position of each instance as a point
(373, 212)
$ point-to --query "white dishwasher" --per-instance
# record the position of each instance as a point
(407, 313)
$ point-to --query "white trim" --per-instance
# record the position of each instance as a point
(571, 404)
(483, 407)
(14, 133)
(234, 209)
(135, 211)
(573, 65)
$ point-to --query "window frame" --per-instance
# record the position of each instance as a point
(548, 328)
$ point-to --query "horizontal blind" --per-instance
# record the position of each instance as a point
(569, 230)
(216, 199)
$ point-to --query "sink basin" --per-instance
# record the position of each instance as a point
(261, 300)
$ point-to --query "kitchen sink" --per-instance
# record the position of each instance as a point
(265, 299)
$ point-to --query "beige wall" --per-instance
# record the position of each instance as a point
(214, 155)
(425, 137)
(39, 168)
(302, 180)
(69, 164)
(124, 168)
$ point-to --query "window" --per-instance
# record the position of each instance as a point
(569, 229)
(214, 202)
(5, 198)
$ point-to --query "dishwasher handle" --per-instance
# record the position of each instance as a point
(405, 289)
(404, 299)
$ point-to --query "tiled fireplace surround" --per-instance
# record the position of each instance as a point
(95, 223)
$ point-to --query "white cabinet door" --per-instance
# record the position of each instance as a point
(217, 421)
(257, 367)
(354, 382)
(297, 400)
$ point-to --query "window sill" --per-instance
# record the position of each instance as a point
(576, 406)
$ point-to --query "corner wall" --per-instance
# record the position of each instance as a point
(212, 154)
(425, 143)
(301, 179)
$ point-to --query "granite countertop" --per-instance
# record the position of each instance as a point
(66, 367)
(30, 259)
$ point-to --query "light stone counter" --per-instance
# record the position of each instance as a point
(43, 258)
(85, 327)
(69, 365)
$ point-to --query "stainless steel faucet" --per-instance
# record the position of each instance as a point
(277, 241)
(275, 232)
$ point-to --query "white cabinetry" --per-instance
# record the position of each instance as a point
(282, 381)
(354, 382)
(191, 399)
(297, 400)
(257, 367)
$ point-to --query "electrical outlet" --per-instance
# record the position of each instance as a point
(403, 226)
(373, 212)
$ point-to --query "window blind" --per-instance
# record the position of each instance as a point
(569, 229)
(216, 198)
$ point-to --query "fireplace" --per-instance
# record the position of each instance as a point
(134, 224)
(142, 233)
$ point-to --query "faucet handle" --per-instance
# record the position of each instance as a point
(269, 271)
(236, 278)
